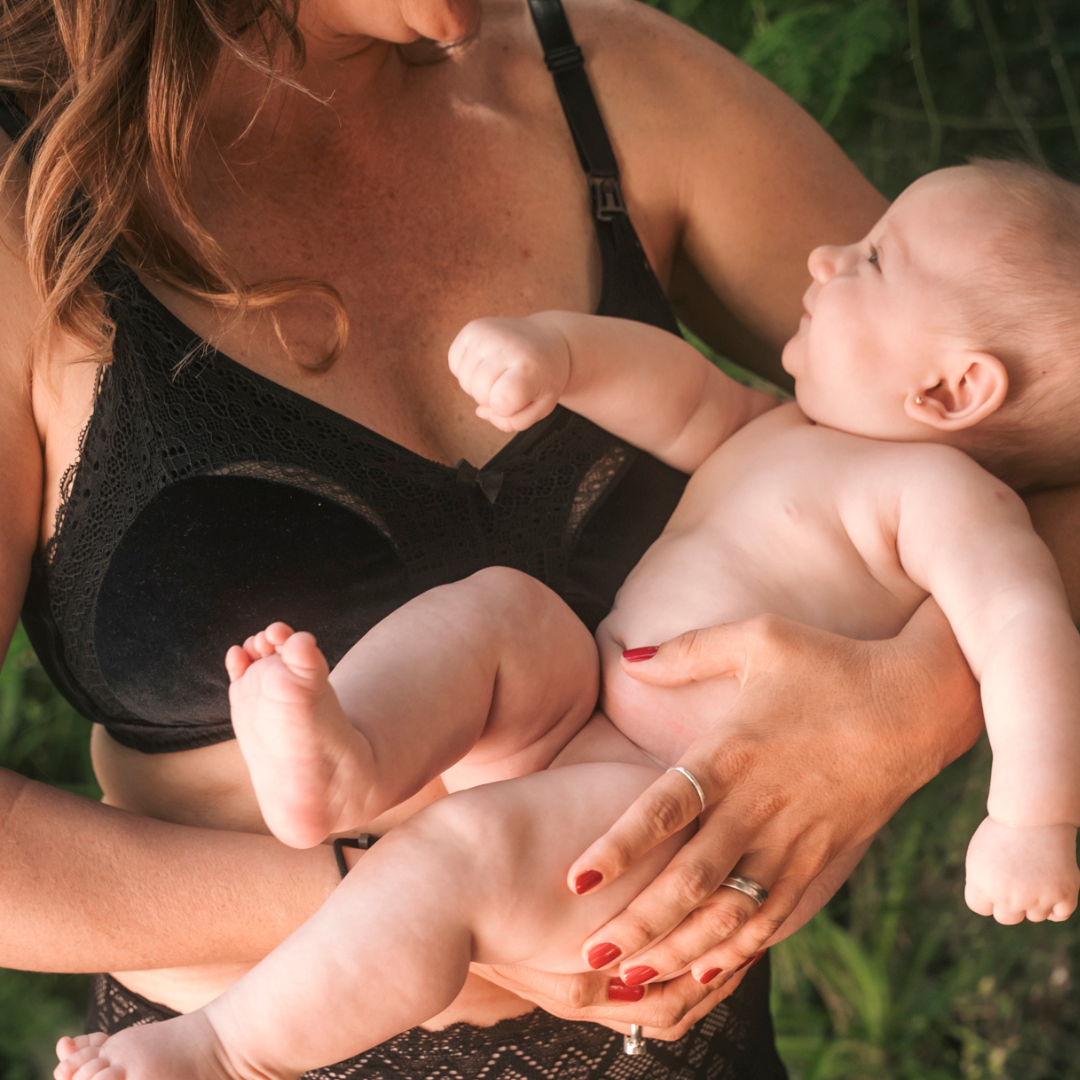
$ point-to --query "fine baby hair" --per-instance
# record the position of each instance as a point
(1023, 306)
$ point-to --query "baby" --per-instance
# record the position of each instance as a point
(953, 324)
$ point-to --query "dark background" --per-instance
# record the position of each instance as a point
(896, 979)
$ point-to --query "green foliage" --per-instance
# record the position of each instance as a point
(897, 979)
(820, 52)
(910, 85)
(41, 735)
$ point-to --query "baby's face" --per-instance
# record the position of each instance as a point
(880, 312)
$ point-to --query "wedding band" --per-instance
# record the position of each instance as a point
(634, 1043)
(758, 893)
(697, 787)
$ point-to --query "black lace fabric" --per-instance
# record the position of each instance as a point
(734, 1042)
(208, 501)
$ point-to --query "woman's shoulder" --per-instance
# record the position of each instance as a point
(34, 368)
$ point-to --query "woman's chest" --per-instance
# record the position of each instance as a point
(488, 220)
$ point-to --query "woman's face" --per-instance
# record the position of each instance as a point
(398, 21)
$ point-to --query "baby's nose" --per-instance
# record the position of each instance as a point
(823, 262)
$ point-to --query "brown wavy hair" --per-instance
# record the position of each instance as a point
(114, 90)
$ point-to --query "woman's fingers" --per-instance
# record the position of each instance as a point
(666, 806)
(688, 881)
(665, 1010)
(721, 916)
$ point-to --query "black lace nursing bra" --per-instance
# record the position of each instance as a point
(208, 501)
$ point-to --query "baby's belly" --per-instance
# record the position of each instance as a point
(663, 721)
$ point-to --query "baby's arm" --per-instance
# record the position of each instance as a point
(637, 381)
(967, 539)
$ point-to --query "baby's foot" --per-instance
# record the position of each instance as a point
(311, 769)
(185, 1048)
(1018, 873)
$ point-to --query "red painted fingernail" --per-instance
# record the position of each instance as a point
(634, 656)
(637, 975)
(710, 975)
(602, 955)
(617, 990)
(586, 881)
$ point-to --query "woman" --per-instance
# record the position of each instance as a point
(169, 493)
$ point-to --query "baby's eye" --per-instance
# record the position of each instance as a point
(873, 255)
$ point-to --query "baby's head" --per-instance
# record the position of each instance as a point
(957, 319)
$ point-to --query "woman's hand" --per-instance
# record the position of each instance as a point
(665, 1010)
(826, 739)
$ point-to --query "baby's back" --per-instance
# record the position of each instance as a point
(786, 518)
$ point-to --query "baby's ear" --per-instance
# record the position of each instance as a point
(972, 386)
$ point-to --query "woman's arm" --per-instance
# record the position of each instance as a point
(729, 182)
(84, 887)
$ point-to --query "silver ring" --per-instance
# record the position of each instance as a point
(758, 893)
(697, 787)
(634, 1043)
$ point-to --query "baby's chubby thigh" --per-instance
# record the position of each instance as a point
(522, 836)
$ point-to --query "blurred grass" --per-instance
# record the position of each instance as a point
(896, 979)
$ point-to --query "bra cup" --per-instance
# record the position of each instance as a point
(211, 560)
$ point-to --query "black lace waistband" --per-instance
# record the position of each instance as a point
(734, 1042)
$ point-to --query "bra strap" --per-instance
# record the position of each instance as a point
(566, 63)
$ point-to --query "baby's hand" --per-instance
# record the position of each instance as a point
(514, 369)
(1013, 873)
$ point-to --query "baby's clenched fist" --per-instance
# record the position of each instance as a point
(514, 369)
(1022, 873)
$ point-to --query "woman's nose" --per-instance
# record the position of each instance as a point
(442, 20)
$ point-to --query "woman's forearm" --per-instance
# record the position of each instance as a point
(85, 887)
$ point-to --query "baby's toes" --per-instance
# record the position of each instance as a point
(237, 662)
(303, 657)
(99, 1069)
(277, 633)
(83, 1064)
(69, 1045)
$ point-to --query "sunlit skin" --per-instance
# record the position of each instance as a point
(428, 195)
(786, 514)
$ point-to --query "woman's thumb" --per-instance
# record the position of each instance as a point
(710, 653)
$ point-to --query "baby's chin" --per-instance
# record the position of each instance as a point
(789, 359)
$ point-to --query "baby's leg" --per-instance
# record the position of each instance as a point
(494, 669)
(480, 875)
